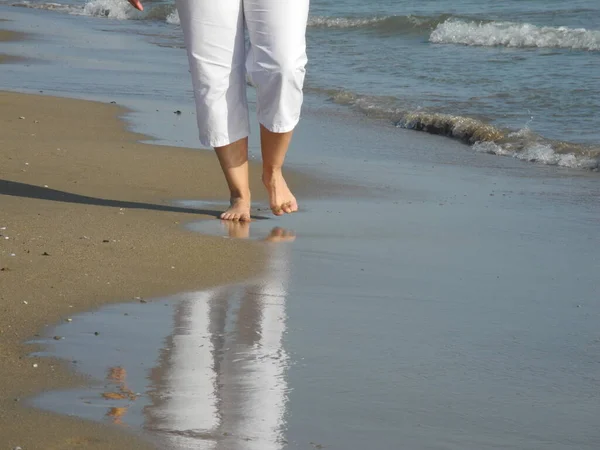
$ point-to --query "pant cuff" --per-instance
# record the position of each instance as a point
(280, 128)
(222, 141)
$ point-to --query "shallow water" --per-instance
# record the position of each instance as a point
(372, 327)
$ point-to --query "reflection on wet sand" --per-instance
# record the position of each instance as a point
(221, 379)
(118, 377)
(241, 230)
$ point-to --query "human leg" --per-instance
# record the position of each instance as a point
(274, 148)
(276, 63)
(234, 163)
(214, 38)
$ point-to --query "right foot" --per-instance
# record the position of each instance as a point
(239, 211)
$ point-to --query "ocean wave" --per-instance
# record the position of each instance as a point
(481, 136)
(465, 129)
(523, 144)
(397, 24)
(48, 6)
(110, 9)
(510, 34)
(385, 23)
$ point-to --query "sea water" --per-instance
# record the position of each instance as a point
(508, 78)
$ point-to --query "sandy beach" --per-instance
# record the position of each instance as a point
(85, 220)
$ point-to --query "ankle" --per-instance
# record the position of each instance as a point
(239, 196)
(270, 173)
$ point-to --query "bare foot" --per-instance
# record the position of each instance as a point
(239, 211)
(282, 201)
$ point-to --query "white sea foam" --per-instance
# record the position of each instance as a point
(343, 22)
(173, 18)
(49, 6)
(113, 9)
(510, 34)
(540, 153)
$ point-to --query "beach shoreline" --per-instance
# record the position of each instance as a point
(441, 297)
(86, 220)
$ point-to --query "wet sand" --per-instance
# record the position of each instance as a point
(6, 36)
(9, 58)
(86, 220)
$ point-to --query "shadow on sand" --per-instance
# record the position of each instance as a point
(16, 189)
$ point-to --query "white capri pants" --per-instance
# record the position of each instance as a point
(219, 61)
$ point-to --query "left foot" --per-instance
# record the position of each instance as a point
(281, 199)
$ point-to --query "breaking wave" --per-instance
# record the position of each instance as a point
(483, 137)
(120, 9)
(383, 23)
(110, 9)
(392, 24)
(517, 35)
(48, 6)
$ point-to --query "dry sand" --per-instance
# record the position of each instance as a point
(101, 231)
